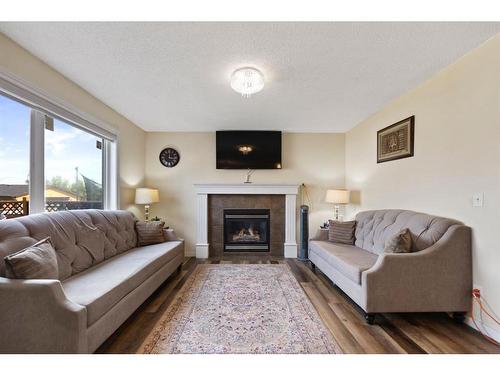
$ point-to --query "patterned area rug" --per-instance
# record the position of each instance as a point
(247, 308)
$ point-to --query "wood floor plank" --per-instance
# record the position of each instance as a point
(300, 275)
(459, 336)
(392, 333)
(415, 333)
(338, 330)
(398, 336)
(362, 332)
(327, 291)
(439, 339)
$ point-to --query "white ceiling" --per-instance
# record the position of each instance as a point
(320, 77)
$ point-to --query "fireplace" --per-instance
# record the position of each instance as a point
(246, 230)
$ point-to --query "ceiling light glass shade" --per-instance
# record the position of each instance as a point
(247, 81)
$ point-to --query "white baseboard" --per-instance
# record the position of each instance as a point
(290, 250)
(202, 250)
(490, 331)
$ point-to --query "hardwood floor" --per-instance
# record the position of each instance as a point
(391, 333)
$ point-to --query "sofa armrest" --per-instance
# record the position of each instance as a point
(321, 235)
(438, 278)
(36, 317)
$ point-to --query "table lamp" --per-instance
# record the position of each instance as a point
(146, 196)
(338, 197)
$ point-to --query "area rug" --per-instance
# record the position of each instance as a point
(240, 308)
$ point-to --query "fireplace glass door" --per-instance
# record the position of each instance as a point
(246, 230)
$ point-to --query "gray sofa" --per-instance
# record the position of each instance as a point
(435, 276)
(103, 278)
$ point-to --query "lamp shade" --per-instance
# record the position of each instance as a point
(337, 196)
(146, 196)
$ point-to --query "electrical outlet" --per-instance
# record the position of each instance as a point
(477, 290)
(478, 200)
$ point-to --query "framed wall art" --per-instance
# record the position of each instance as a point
(396, 141)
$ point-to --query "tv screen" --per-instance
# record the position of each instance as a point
(248, 149)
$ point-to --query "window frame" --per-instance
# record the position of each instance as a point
(43, 105)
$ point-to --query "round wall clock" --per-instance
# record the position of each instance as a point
(169, 157)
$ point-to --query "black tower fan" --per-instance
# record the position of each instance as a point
(304, 233)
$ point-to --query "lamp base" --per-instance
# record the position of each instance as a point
(336, 210)
(146, 212)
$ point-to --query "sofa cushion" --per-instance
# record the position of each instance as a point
(38, 261)
(349, 260)
(374, 227)
(77, 249)
(104, 285)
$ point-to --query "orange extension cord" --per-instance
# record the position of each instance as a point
(476, 296)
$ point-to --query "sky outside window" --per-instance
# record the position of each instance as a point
(67, 148)
(14, 142)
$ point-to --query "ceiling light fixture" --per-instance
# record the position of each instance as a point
(247, 81)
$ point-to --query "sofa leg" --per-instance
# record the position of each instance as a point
(313, 266)
(458, 317)
(370, 318)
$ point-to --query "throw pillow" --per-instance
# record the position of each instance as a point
(149, 232)
(399, 243)
(38, 261)
(341, 231)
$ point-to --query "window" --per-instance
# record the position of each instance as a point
(51, 164)
(73, 168)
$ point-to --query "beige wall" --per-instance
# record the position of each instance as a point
(314, 159)
(457, 153)
(20, 63)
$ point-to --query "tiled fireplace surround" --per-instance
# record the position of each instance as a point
(218, 202)
(212, 199)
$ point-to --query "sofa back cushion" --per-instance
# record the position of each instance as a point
(81, 238)
(374, 227)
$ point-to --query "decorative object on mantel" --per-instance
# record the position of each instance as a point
(241, 309)
(146, 196)
(169, 157)
(247, 81)
(249, 174)
(396, 141)
(337, 197)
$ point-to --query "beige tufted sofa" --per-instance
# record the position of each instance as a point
(103, 278)
(436, 276)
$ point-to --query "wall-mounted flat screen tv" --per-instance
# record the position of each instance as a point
(251, 149)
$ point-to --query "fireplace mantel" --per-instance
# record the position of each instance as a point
(290, 192)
